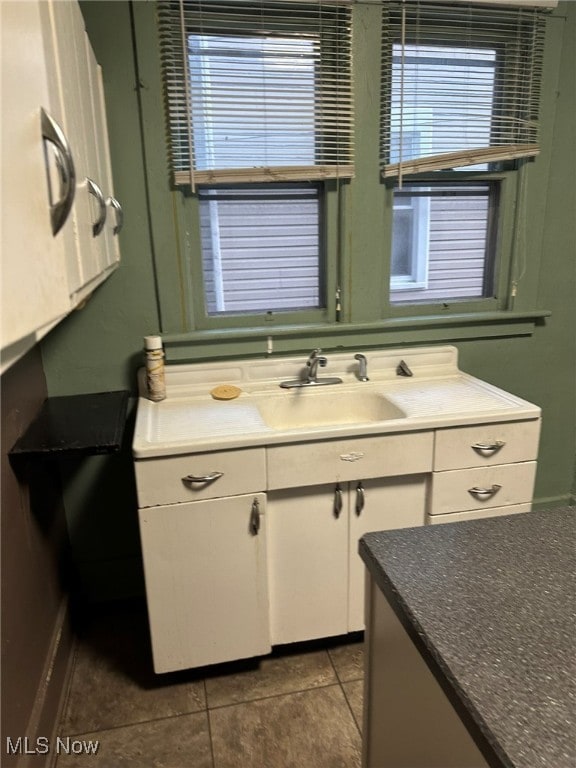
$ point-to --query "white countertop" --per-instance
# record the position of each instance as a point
(438, 395)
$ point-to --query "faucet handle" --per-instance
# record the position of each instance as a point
(363, 366)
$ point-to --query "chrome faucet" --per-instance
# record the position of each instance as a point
(362, 367)
(314, 360)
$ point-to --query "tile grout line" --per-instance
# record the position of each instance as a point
(274, 695)
(341, 683)
(137, 724)
(209, 725)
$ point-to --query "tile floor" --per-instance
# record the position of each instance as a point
(299, 708)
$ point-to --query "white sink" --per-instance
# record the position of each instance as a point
(298, 409)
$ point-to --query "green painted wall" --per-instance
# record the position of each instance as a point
(99, 347)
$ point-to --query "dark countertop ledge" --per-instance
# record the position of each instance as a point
(75, 425)
(491, 605)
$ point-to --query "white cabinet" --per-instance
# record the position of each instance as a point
(78, 105)
(307, 566)
(33, 278)
(218, 589)
(383, 504)
(484, 470)
(56, 180)
(316, 575)
(206, 580)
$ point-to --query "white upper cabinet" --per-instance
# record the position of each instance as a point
(60, 218)
(33, 275)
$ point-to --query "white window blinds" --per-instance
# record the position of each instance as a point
(461, 85)
(258, 91)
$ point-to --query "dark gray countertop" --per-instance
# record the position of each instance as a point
(491, 605)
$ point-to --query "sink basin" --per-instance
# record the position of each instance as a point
(299, 409)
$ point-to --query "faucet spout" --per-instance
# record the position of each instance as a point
(314, 361)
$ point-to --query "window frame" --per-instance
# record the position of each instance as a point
(365, 318)
(329, 247)
(284, 187)
(502, 173)
(501, 238)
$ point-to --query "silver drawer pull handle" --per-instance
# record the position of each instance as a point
(488, 449)
(209, 478)
(484, 493)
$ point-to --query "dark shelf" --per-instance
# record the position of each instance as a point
(76, 425)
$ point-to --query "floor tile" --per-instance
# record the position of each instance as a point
(177, 742)
(113, 681)
(310, 729)
(354, 693)
(283, 672)
(348, 660)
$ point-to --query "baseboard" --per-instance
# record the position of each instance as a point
(52, 691)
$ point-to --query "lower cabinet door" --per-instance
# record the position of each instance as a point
(206, 580)
(308, 545)
(379, 505)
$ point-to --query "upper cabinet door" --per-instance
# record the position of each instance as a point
(114, 214)
(71, 75)
(81, 107)
(34, 288)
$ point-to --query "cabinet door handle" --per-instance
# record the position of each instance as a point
(484, 493)
(95, 190)
(111, 201)
(255, 518)
(209, 478)
(488, 449)
(60, 209)
(337, 501)
(360, 498)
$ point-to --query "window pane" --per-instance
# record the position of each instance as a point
(442, 238)
(441, 101)
(261, 248)
(240, 89)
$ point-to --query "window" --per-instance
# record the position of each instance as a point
(260, 112)
(261, 248)
(288, 211)
(442, 237)
(460, 95)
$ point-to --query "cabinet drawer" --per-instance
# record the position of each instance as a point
(291, 466)
(486, 444)
(163, 480)
(462, 490)
(477, 514)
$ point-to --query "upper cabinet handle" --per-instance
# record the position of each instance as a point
(95, 190)
(119, 214)
(60, 209)
(488, 449)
